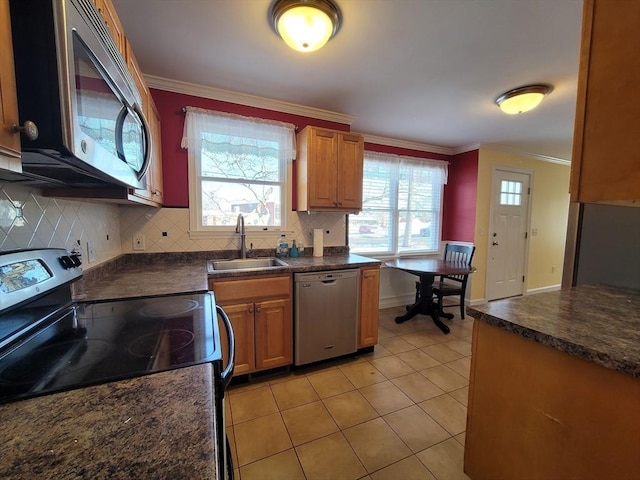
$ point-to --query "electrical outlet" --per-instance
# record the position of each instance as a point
(91, 254)
(138, 242)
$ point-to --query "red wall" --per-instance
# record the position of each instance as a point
(459, 204)
(174, 157)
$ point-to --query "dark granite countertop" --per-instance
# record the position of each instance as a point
(597, 323)
(144, 280)
(165, 274)
(157, 426)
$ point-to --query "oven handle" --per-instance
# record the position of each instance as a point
(227, 373)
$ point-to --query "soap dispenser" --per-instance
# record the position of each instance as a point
(293, 252)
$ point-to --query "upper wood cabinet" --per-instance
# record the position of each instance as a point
(9, 141)
(108, 12)
(329, 170)
(606, 149)
(155, 168)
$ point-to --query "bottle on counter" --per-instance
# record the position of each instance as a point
(282, 247)
(293, 252)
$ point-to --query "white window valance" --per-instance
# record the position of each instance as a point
(248, 135)
(439, 168)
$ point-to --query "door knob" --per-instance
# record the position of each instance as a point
(494, 243)
(29, 129)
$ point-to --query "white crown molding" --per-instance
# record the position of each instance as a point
(214, 93)
(466, 148)
(544, 158)
(421, 147)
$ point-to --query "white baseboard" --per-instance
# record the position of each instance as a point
(389, 302)
(550, 288)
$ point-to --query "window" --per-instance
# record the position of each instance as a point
(510, 193)
(401, 206)
(237, 165)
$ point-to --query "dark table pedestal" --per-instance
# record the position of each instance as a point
(425, 304)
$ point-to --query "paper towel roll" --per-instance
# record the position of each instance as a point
(317, 242)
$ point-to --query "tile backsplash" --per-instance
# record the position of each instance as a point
(167, 230)
(29, 220)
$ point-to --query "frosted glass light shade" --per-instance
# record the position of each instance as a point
(305, 29)
(522, 99)
(305, 25)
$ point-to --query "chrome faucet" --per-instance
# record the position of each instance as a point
(240, 230)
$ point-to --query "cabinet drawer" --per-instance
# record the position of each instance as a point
(253, 289)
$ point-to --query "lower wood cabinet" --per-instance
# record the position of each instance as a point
(369, 293)
(538, 412)
(260, 310)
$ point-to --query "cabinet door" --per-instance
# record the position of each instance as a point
(369, 293)
(322, 168)
(110, 17)
(9, 142)
(350, 161)
(274, 334)
(156, 152)
(605, 165)
(241, 316)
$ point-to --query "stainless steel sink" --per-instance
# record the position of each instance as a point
(245, 264)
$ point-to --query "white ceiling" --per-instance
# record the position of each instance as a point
(423, 71)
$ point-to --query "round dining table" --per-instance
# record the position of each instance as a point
(427, 269)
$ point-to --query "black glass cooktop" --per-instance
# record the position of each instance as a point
(96, 343)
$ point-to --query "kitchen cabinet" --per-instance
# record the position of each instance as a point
(9, 140)
(369, 293)
(152, 190)
(260, 310)
(538, 412)
(605, 166)
(111, 19)
(155, 168)
(329, 170)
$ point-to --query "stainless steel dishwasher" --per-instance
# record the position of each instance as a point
(326, 315)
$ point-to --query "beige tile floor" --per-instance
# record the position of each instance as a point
(397, 413)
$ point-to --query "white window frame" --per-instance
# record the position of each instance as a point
(394, 210)
(196, 228)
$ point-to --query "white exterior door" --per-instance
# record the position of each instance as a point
(507, 234)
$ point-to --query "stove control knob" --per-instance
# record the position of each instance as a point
(75, 259)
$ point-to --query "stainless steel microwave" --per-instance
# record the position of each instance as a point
(74, 84)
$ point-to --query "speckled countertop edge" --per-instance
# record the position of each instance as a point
(154, 426)
(141, 275)
(599, 324)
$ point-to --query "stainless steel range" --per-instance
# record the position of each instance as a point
(49, 343)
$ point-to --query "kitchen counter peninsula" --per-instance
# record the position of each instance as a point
(555, 386)
(155, 426)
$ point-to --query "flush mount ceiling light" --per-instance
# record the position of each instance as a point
(305, 25)
(522, 99)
